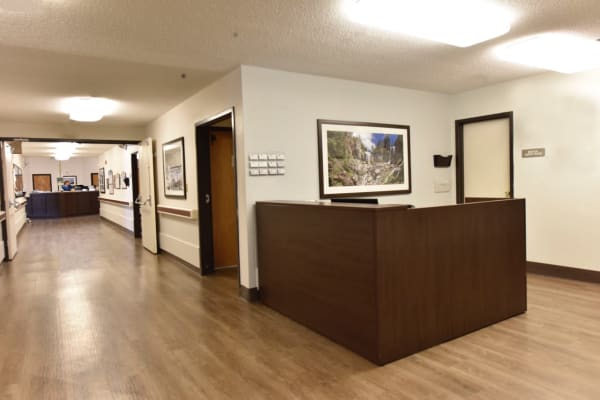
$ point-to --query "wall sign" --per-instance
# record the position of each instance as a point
(531, 153)
(265, 164)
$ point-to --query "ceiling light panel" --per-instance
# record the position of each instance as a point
(88, 109)
(460, 23)
(556, 52)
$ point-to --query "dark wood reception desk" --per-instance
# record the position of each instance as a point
(62, 204)
(388, 281)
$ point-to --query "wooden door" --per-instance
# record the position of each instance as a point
(484, 158)
(94, 179)
(223, 203)
(42, 182)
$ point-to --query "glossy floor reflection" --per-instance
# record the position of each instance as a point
(86, 313)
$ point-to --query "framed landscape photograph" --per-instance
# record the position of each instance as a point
(101, 186)
(360, 158)
(72, 179)
(174, 168)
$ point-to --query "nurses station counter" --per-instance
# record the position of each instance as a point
(388, 281)
(62, 204)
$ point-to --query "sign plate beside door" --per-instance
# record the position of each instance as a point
(530, 153)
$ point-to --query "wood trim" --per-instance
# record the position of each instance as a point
(251, 295)
(559, 271)
(111, 201)
(52, 140)
(480, 199)
(178, 212)
(459, 144)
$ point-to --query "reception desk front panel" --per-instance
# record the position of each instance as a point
(387, 281)
(62, 204)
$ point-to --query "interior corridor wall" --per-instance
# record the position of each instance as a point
(181, 236)
(280, 115)
(117, 159)
(560, 113)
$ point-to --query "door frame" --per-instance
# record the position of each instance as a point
(135, 191)
(205, 227)
(459, 143)
(33, 180)
(3, 208)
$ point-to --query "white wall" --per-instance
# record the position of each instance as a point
(562, 114)
(118, 160)
(81, 167)
(177, 235)
(280, 115)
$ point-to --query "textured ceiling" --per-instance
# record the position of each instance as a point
(135, 50)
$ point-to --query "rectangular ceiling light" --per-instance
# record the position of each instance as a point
(461, 23)
(555, 52)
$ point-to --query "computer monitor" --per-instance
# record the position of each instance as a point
(354, 200)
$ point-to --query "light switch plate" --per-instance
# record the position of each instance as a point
(272, 171)
(253, 156)
(281, 157)
(281, 164)
(263, 156)
(441, 187)
(272, 164)
(264, 171)
(254, 164)
(254, 172)
(263, 164)
(280, 171)
(272, 156)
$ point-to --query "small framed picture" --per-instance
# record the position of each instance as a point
(174, 168)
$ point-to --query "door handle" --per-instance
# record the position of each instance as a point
(139, 201)
(207, 198)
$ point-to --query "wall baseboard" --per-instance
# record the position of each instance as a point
(116, 225)
(576, 274)
(250, 295)
(189, 252)
(181, 261)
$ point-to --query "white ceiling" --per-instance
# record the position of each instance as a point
(46, 149)
(134, 51)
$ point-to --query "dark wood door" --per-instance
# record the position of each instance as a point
(224, 213)
(42, 182)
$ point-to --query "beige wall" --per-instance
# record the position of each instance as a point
(562, 114)
(177, 235)
(118, 160)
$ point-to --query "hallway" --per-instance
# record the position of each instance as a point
(86, 313)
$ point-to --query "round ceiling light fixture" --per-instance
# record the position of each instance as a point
(88, 109)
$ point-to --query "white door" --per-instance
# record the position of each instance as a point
(487, 155)
(147, 198)
(9, 200)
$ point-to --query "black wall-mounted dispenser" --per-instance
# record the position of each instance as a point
(440, 161)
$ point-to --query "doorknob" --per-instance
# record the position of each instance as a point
(207, 198)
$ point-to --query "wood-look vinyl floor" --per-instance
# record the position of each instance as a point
(86, 313)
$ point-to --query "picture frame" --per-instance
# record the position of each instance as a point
(174, 168)
(110, 186)
(117, 179)
(72, 179)
(101, 182)
(362, 158)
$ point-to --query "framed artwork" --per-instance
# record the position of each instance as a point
(109, 182)
(72, 179)
(117, 180)
(360, 158)
(101, 180)
(174, 168)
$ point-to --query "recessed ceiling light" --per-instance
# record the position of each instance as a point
(461, 23)
(64, 150)
(555, 52)
(88, 109)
